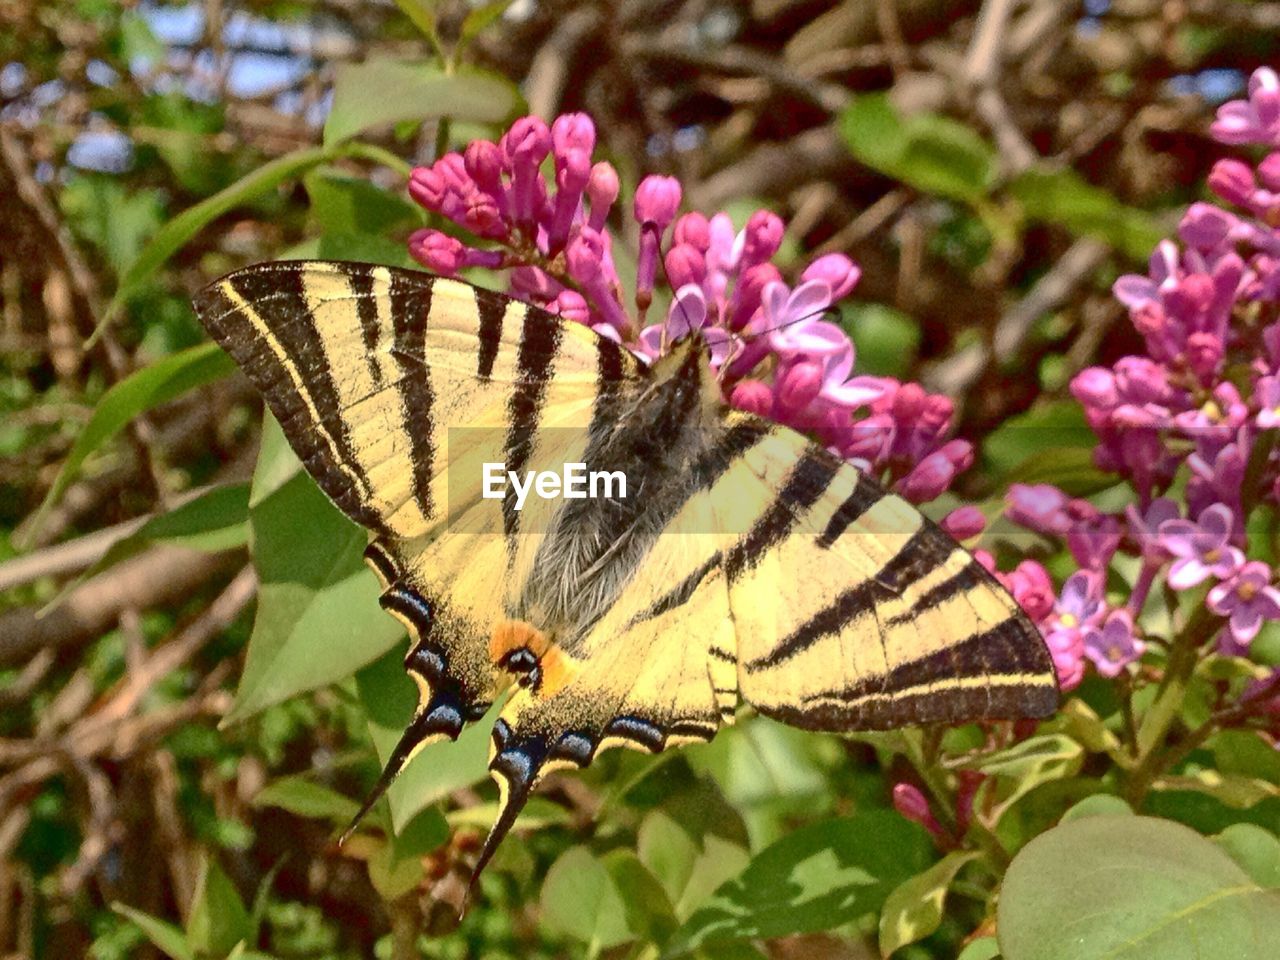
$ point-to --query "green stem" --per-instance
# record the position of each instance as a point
(1153, 757)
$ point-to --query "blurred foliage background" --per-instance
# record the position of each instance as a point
(991, 165)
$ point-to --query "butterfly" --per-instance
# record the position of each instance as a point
(746, 565)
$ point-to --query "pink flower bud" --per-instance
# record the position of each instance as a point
(928, 479)
(911, 803)
(799, 384)
(1095, 387)
(685, 265)
(959, 453)
(748, 291)
(838, 271)
(437, 251)
(1204, 354)
(526, 144)
(964, 522)
(483, 161)
(584, 256)
(573, 133)
(1269, 171)
(427, 187)
(762, 237)
(753, 397)
(1233, 181)
(602, 191)
(657, 199)
(573, 306)
(1031, 587)
(695, 230)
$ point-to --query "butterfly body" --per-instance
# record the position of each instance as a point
(744, 564)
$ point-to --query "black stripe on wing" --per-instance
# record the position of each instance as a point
(804, 486)
(273, 293)
(410, 310)
(540, 337)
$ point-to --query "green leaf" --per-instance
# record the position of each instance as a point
(306, 798)
(1256, 850)
(352, 205)
(1062, 197)
(215, 520)
(1024, 766)
(150, 387)
(646, 906)
(924, 150)
(1098, 805)
(422, 14)
(389, 698)
(538, 814)
(1236, 791)
(139, 42)
(379, 92)
(170, 238)
(914, 909)
(817, 878)
(1052, 427)
(479, 18)
(886, 340)
(166, 937)
(393, 876)
(1132, 888)
(218, 918)
(318, 618)
(427, 831)
(689, 868)
(1071, 469)
(984, 948)
(579, 900)
(116, 221)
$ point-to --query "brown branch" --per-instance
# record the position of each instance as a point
(160, 576)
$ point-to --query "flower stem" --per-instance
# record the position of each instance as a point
(1153, 758)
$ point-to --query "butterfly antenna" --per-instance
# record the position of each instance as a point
(829, 311)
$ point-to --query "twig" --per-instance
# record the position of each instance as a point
(550, 70)
(161, 575)
(957, 373)
(75, 556)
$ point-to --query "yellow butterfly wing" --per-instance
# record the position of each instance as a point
(393, 387)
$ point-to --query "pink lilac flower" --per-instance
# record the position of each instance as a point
(1255, 120)
(774, 346)
(1046, 509)
(1113, 646)
(1144, 527)
(1247, 599)
(1080, 603)
(1202, 548)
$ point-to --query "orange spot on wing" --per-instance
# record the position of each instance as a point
(509, 635)
(555, 666)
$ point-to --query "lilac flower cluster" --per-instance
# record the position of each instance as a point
(1205, 396)
(774, 351)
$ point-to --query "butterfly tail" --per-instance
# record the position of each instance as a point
(442, 719)
(517, 766)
